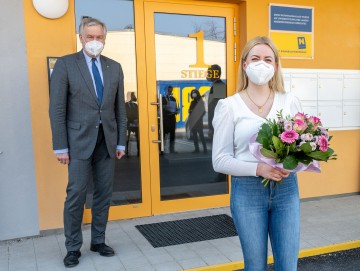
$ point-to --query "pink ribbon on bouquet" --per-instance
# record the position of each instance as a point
(255, 147)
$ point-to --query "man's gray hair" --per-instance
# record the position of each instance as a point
(89, 21)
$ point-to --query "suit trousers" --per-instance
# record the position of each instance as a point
(169, 128)
(100, 168)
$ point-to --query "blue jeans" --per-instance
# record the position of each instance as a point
(259, 212)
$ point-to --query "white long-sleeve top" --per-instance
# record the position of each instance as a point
(234, 123)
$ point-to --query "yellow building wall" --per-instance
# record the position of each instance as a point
(336, 46)
(334, 49)
(340, 176)
(46, 37)
(336, 31)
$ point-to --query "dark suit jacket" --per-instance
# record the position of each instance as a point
(74, 109)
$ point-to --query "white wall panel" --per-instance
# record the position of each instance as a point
(351, 87)
(332, 95)
(310, 108)
(287, 81)
(330, 114)
(351, 114)
(330, 87)
(304, 86)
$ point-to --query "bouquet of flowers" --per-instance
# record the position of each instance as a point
(293, 143)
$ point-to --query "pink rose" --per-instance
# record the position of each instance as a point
(315, 121)
(300, 116)
(299, 126)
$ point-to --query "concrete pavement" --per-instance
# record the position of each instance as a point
(327, 224)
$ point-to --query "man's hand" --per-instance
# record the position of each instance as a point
(63, 158)
(120, 154)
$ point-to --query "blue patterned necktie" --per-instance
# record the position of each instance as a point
(97, 79)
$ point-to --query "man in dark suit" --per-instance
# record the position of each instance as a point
(217, 92)
(88, 122)
(170, 110)
(132, 114)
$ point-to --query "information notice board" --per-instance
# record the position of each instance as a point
(292, 30)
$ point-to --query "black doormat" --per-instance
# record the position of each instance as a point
(188, 230)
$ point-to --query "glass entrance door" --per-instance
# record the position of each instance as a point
(169, 52)
(190, 52)
(131, 196)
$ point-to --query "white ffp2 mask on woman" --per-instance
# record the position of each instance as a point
(260, 72)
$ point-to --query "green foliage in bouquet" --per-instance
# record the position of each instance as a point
(294, 140)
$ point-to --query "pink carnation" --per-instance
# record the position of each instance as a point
(289, 136)
(323, 143)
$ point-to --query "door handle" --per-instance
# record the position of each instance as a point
(161, 125)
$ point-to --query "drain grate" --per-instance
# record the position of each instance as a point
(184, 231)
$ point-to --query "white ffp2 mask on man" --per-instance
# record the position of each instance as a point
(94, 47)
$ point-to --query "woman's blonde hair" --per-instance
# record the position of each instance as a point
(277, 82)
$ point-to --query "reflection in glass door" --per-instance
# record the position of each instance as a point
(118, 15)
(190, 80)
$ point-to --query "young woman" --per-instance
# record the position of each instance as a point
(259, 212)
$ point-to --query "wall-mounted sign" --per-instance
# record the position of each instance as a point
(292, 30)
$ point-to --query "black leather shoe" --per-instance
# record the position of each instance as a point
(103, 249)
(72, 258)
